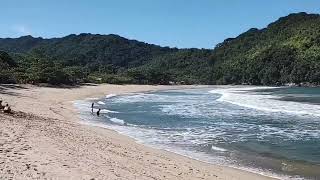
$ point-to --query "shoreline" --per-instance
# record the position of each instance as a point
(253, 171)
(58, 104)
(268, 174)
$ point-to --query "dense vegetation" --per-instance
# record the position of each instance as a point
(287, 51)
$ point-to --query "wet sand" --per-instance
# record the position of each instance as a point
(44, 140)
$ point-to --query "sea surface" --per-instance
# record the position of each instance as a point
(272, 131)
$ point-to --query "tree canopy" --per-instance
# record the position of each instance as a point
(286, 51)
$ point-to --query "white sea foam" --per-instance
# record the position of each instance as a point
(107, 111)
(103, 111)
(82, 105)
(264, 102)
(215, 148)
(100, 102)
(210, 132)
(117, 121)
(151, 137)
(110, 96)
(183, 109)
(145, 97)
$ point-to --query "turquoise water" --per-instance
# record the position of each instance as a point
(273, 130)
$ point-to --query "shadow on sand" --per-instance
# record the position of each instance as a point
(63, 86)
(6, 89)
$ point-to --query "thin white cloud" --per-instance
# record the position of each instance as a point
(21, 30)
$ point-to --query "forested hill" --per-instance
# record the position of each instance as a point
(87, 48)
(101, 58)
(286, 51)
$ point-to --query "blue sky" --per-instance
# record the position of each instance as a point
(174, 23)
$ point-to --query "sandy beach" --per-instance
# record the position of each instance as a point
(44, 139)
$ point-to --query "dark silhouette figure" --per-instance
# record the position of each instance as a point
(1, 107)
(92, 107)
(98, 112)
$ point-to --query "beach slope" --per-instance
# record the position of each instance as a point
(44, 139)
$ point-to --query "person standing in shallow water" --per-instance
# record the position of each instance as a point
(1, 107)
(92, 107)
(98, 112)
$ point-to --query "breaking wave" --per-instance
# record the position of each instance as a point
(264, 102)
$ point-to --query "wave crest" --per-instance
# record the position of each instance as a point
(264, 102)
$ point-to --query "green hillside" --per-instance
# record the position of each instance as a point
(286, 51)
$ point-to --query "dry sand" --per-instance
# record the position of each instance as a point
(44, 140)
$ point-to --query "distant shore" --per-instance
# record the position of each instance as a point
(44, 139)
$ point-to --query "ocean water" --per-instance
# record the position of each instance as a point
(272, 131)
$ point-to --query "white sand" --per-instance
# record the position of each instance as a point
(46, 141)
